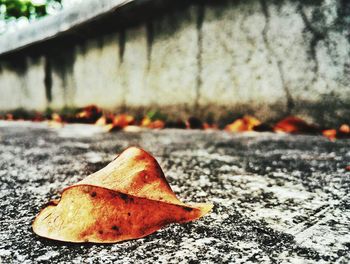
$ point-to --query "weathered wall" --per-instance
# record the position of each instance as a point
(269, 58)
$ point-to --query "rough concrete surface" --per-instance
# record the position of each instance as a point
(278, 198)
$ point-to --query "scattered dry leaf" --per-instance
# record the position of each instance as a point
(342, 132)
(89, 114)
(207, 126)
(123, 120)
(156, 120)
(344, 128)
(56, 121)
(156, 124)
(38, 118)
(128, 199)
(331, 134)
(9, 117)
(295, 125)
(246, 123)
(56, 117)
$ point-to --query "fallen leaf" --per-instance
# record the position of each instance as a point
(38, 118)
(246, 123)
(331, 134)
(56, 117)
(344, 131)
(122, 120)
(128, 199)
(9, 117)
(344, 128)
(295, 125)
(89, 114)
(156, 124)
(207, 126)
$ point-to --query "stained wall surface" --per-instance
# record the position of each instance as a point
(263, 57)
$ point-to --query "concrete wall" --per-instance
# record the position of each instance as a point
(268, 58)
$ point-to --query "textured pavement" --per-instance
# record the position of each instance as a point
(278, 198)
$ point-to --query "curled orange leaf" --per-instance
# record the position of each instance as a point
(128, 199)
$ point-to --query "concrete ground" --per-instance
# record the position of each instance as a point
(278, 198)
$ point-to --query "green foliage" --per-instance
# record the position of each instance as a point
(24, 8)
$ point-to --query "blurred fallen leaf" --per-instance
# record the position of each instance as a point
(342, 132)
(56, 117)
(89, 114)
(38, 117)
(331, 134)
(146, 121)
(156, 124)
(56, 121)
(246, 123)
(120, 121)
(295, 125)
(128, 199)
(9, 117)
(207, 126)
(344, 128)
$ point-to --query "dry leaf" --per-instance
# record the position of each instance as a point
(89, 114)
(331, 134)
(120, 121)
(129, 198)
(246, 123)
(344, 128)
(156, 124)
(9, 117)
(207, 126)
(295, 125)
